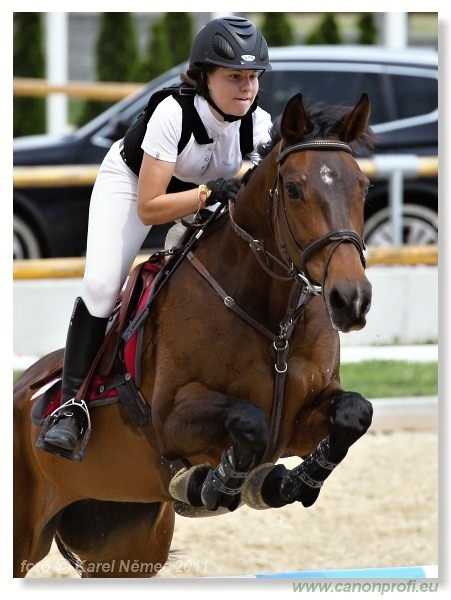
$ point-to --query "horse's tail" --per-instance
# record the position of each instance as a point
(75, 562)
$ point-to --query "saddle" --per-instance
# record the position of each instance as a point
(115, 372)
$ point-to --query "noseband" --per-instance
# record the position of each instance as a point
(336, 237)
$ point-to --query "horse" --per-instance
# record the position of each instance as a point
(239, 367)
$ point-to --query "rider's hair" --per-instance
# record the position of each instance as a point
(197, 76)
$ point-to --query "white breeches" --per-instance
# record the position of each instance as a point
(115, 234)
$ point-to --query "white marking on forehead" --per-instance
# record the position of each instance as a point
(326, 175)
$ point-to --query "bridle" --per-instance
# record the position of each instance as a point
(336, 237)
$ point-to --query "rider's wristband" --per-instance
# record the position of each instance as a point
(203, 193)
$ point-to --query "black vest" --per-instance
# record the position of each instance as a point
(191, 124)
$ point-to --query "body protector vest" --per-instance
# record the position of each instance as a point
(132, 152)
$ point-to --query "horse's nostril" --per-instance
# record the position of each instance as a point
(336, 301)
(357, 300)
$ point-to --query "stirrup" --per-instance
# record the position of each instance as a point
(77, 405)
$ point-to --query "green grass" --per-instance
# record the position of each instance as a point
(390, 378)
(386, 378)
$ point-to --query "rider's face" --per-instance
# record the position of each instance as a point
(233, 90)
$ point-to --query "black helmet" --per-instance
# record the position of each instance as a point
(231, 42)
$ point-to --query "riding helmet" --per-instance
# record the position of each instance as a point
(231, 42)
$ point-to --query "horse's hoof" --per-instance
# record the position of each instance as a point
(261, 488)
(196, 512)
(251, 492)
(187, 483)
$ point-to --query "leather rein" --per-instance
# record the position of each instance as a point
(303, 287)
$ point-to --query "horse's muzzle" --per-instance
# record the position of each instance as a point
(348, 305)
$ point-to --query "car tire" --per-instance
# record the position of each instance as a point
(419, 226)
(25, 242)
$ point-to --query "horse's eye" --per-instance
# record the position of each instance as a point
(292, 190)
(365, 191)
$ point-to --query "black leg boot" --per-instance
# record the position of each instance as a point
(84, 338)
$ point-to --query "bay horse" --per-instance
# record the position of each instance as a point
(240, 366)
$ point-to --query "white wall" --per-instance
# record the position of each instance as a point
(404, 310)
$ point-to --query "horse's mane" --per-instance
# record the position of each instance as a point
(323, 119)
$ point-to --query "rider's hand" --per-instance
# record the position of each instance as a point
(222, 190)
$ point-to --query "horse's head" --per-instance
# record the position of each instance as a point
(318, 204)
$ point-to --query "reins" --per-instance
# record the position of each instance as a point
(261, 254)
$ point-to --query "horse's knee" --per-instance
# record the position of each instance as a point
(246, 424)
(352, 411)
(351, 417)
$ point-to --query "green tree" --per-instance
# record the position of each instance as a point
(29, 114)
(327, 31)
(277, 29)
(367, 29)
(180, 35)
(157, 59)
(169, 44)
(117, 54)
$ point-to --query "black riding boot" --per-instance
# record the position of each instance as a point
(84, 338)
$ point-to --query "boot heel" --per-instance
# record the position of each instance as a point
(65, 432)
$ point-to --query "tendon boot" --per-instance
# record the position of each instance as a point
(84, 338)
(222, 486)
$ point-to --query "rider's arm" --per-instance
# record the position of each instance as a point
(154, 205)
(159, 145)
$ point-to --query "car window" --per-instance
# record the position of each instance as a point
(414, 95)
(392, 96)
(332, 87)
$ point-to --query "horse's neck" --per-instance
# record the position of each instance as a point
(251, 285)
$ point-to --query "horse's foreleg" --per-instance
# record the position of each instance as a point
(351, 417)
(247, 428)
(222, 417)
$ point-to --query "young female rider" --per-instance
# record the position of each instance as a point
(227, 57)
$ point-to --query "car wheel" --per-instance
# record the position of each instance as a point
(25, 242)
(419, 227)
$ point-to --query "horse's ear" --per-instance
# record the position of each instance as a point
(295, 123)
(354, 123)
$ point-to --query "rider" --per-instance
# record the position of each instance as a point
(227, 57)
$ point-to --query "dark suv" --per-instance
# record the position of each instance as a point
(403, 90)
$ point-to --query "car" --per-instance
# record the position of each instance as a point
(403, 89)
